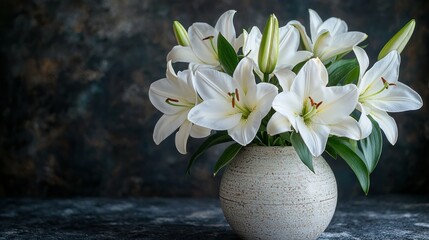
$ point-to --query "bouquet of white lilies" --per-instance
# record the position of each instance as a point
(283, 87)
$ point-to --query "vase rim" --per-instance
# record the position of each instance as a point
(269, 148)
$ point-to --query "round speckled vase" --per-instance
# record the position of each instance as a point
(268, 193)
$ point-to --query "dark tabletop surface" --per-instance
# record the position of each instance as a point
(374, 217)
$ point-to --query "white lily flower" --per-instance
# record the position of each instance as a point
(380, 92)
(328, 38)
(288, 57)
(175, 96)
(236, 104)
(202, 49)
(314, 110)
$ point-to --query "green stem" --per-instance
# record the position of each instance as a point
(266, 77)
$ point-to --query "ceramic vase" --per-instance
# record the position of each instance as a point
(268, 193)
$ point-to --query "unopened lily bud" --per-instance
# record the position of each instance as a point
(269, 49)
(399, 40)
(181, 34)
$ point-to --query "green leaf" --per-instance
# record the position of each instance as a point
(352, 76)
(340, 56)
(302, 150)
(331, 151)
(341, 71)
(346, 152)
(399, 40)
(285, 136)
(217, 138)
(227, 56)
(372, 146)
(277, 142)
(226, 157)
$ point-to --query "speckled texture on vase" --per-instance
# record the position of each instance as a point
(268, 193)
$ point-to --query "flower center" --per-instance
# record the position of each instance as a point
(235, 98)
(385, 86)
(177, 103)
(310, 109)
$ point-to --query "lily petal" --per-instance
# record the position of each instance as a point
(245, 131)
(285, 77)
(278, 124)
(199, 132)
(214, 84)
(348, 127)
(199, 37)
(387, 67)
(289, 105)
(170, 73)
(243, 74)
(239, 42)
(225, 25)
(315, 136)
(163, 89)
(215, 114)
(363, 60)
(364, 122)
(187, 77)
(166, 125)
(182, 54)
(288, 45)
(306, 41)
(251, 46)
(312, 76)
(340, 44)
(400, 98)
(387, 124)
(315, 22)
(263, 97)
(181, 138)
(338, 102)
(335, 26)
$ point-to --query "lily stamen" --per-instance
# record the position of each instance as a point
(233, 98)
(168, 100)
(315, 104)
(173, 102)
(386, 83)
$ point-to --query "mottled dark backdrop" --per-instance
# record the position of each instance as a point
(75, 115)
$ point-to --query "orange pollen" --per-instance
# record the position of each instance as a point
(234, 95)
(386, 83)
(313, 103)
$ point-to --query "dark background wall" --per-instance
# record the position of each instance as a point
(75, 116)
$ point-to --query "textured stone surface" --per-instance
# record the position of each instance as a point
(74, 112)
(388, 217)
